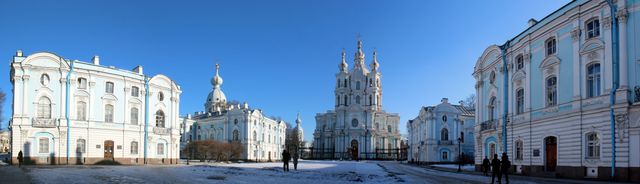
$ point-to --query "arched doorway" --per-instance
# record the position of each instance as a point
(551, 153)
(354, 149)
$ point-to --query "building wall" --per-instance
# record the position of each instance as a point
(576, 113)
(27, 76)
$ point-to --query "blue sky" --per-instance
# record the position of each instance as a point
(279, 56)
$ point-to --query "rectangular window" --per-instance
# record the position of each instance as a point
(134, 116)
(519, 101)
(108, 113)
(551, 91)
(445, 156)
(109, 87)
(160, 149)
(81, 109)
(80, 146)
(135, 91)
(82, 83)
(551, 46)
(593, 80)
(134, 148)
(519, 150)
(593, 28)
(43, 145)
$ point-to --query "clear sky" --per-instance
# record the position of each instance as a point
(279, 56)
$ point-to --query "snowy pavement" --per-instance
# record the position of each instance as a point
(308, 172)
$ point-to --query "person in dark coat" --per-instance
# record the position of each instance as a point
(20, 158)
(485, 166)
(285, 158)
(504, 167)
(495, 166)
(295, 161)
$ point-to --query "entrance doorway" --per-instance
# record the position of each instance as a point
(551, 153)
(354, 149)
(108, 150)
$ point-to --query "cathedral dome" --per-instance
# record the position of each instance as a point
(216, 99)
(216, 96)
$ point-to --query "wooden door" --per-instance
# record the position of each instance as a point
(108, 150)
(551, 154)
(354, 149)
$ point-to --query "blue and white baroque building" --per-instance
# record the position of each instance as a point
(545, 96)
(75, 112)
(435, 134)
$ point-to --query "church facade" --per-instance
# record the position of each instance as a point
(441, 133)
(75, 112)
(261, 137)
(357, 127)
(557, 101)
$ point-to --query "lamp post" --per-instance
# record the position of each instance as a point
(459, 156)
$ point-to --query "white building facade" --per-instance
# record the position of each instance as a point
(552, 87)
(358, 125)
(435, 134)
(74, 112)
(262, 138)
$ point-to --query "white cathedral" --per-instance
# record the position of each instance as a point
(358, 128)
(261, 137)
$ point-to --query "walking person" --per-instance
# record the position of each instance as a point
(485, 166)
(495, 166)
(20, 158)
(295, 161)
(285, 158)
(506, 164)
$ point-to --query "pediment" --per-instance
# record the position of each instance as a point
(550, 61)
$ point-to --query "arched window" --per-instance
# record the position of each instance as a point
(108, 113)
(492, 77)
(81, 146)
(109, 87)
(82, 83)
(389, 129)
(593, 28)
(519, 101)
(160, 119)
(346, 100)
(134, 116)
(550, 46)
(552, 91)
(593, 145)
(593, 80)
(519, 150)
(444, 134)
(134, 147)
(370, 100)
(358, 99)
(357, 85)
(255, 136)
(135, 91)
(161, 96)
(519, 62)
(236, 135)
(44, 108)
(492, 108)
(370, 82)
(354, 122)
(345, 83)
(81, 110)
(445, 155)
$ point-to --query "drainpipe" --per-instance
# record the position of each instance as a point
(66, 111)
(616, 78)
(146, 115)
(505, 95)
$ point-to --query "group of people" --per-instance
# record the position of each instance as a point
(286, 157)
(498, 167)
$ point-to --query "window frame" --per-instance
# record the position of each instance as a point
(134, 111)
(160, 119)
(109, 87)
(109, 113)
(44, 108)
(593, 146)
(551, 91)
(134, 148)
(82, 83)
(551, 46)
(444, 134)
(519, 62)
(135, 91)
(81, 146)
(594, 80)
(593, 30)
(81, 110)
(41, 146)
(519, 101)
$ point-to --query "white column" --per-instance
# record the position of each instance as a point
(622, 30)
(575, 37)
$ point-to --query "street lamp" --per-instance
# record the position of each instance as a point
(459, 156)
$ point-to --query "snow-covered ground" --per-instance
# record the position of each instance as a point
(308, 172)
(455, 166)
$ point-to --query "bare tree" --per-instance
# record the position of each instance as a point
(470, 101)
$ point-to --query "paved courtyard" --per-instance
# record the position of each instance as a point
(308, 172)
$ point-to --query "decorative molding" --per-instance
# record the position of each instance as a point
(575, 34)
(606, 22)
(621, 125)
(622, 15)
(593, 55)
